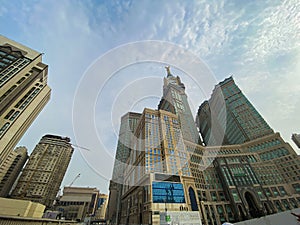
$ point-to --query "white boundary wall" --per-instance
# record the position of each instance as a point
(283, 218)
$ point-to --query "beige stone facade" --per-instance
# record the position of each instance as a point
(77, 203)
(23, 93)
(44, 172)
(21, 208)
(11, 169)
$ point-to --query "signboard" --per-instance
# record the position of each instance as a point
(180, 218)
(167, 192)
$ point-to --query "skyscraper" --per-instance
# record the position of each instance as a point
(241, 121)
(23, 93)
(170, 175)
(157, 174)
(44, 172)
(175, 100)
(250, 169)
(128, 125)
(296, 139)
(13, 165)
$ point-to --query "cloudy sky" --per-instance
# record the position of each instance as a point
(257, 42)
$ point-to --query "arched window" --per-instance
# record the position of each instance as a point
(193, 199)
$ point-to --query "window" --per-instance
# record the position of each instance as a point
(275, 191)
(268, 193)
(286, 204)
(21, 80)
(221, 213)
(278, 206)
(282, 191)
(293, 202)
(213, 195)
(222, 196)
(235, 195)
(296, 187)
(4, 128)
(12, 118)
(9, 114)
(7, 92)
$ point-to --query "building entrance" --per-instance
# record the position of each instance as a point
(253, 207)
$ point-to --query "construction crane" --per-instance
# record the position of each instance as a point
(77, 146)
(78, 175)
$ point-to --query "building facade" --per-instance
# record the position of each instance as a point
(23, 93)
(127, 127)
(296, 139)
(256, 171)
(175, 100)
(14, 162)
(100, 212)
(167, 172)
(157, 178)
(13, 208)
(238, 118)
(78, 203)
(44, 172)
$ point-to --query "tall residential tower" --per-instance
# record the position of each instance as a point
(44, 172)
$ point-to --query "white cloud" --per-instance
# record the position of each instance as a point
(278, 31)
(229, 37)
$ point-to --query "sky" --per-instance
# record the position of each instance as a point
(96, 73)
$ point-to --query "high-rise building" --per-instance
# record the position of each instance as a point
(23, 93)
(11, 169)
(128, 124)
(175, 100)
(157, 174)
(44, 172)
(238, 116)
(168, 175)
(251, 166)
(296, 139)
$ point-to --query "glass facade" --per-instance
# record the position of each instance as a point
(167, 192)
(218, 174)
(243, 122)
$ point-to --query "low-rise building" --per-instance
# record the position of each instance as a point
(77, 203)
(21, 208)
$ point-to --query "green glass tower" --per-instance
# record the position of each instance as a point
(242, 123)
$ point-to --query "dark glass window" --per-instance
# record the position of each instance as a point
(296, 187)
(213, 196)
(282, 190)
(275, 191)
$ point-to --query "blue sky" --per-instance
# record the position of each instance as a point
(257, 42)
